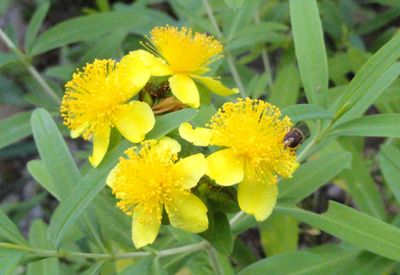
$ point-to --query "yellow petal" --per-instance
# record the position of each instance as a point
(110, 181)
(194, 167)
(216, 86)
(159, 68)
(135, 69)
(79, 131)
(257, 198)
(188, 212)
(225, 167)
(134, 120)
(184, 89)
(101, 140)
(168, 144)
(145, 227)
(197, 136)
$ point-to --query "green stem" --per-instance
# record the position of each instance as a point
(32, 70)
(229, 58)
(264, 56)
(235, 219)
(214, 260)
(69, 254)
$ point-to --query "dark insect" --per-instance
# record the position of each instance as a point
(296, 135)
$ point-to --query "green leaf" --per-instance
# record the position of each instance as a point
(138, 21)
(59, 164)
(389, 157)
(167, 123)
(9, 232)
(286, 87)
(382, 125)
(301, 112)
(267, 32)
(352, 226)
(312, 175)
(35, 24)
(361, 185)
(94, 269)
(310, 49)
(82, 195)
(9, 263)
(54, 153)
(367, 263)
(325, 261)
(93, 182)
(369, 74)
(279, 233)
(38, 239)
(234, 3)
(370, 95)
(38, 171)
(219, 233)
(14, 128)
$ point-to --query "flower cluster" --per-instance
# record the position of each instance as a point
(152, 179)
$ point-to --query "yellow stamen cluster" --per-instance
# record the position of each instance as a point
(255, 131)
(147, 180)
(184, 51)
(91, 97)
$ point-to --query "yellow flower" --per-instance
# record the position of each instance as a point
(97, 99)
(252, 132)
(153, 178)
(185, 57)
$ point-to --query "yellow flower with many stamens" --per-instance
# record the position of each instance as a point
(97, 99)
(185, 57)
(252, 132)
(152, 179)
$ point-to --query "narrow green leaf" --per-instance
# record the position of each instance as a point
(370, 95)
(312, 175)
(301, 112)
(35, 24)
(219, 234)
(38, 171)
(367, 263)
(361, 186)
(9, 263)
(389, 157)
(54, 153)
(9, 232)
(93, 182)
(138, 21)
(14, 128)
(286, 87)
(382, 125)
(94, 269)
(369, 74)
(303, 262)
(352, 226)
(38, 239)
(310, 49)
(279, 234)
(167, 123)
(59, 164)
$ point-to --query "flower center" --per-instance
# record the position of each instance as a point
(146, 180)
(184, 51)
(255, 131)
(91, 97)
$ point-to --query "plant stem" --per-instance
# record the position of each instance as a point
(212, 254)
(32, 70)
(67, 254)
(235, 219)
(229, 58)
(264, 56)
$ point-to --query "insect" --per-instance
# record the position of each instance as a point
(296, 135)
